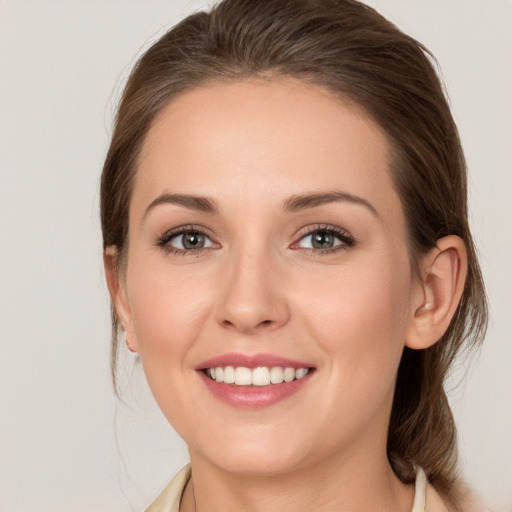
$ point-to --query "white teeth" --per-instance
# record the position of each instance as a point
(301, 372)
(276, 375)
(260, 376)
(243, 376)
(229, 375)
(289, 374)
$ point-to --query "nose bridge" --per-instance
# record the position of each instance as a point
(251, 298)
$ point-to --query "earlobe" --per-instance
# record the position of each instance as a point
(118, 295)
(444, 271)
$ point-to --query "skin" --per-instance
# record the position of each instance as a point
(258, 286)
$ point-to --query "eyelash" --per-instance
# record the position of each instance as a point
(164, 240)
(347, 240)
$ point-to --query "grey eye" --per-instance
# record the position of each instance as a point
(320, 239)
(190, 241)
(193, 240)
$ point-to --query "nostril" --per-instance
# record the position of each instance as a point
(248, 326)
(265, 324)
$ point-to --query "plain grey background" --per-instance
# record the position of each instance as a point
(65, 443)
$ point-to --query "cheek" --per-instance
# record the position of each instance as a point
(359, 320)
(168, 308)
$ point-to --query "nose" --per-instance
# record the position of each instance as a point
(252, 299)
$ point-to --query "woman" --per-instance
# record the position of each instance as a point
(287, 250)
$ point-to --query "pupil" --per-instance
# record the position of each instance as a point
(322, 240)
(193, 241)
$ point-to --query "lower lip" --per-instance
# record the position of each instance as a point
(254, 396)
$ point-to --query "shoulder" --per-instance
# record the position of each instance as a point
(169, 499)
(427, 499)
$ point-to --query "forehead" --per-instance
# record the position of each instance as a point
(260, 139)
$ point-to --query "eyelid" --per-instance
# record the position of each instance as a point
(347, 239)
(163, 240)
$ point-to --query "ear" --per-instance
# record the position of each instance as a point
(118, 295)
(438, 292)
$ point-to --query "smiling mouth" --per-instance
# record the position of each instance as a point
(259, 376)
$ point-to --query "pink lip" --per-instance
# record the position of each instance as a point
(253, 396)
(251, 361)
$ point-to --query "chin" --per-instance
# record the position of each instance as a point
(256, 455)
(262, 465)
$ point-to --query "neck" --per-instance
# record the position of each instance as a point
(332, 484)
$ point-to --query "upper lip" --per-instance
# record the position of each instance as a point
(251, 361)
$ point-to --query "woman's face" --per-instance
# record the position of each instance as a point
(265, 232)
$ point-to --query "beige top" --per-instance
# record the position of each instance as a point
(426, 498)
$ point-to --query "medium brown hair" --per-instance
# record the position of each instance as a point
(350, 49)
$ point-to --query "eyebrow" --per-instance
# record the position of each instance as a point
(293, 204)
(302, 202)
(202, 204)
